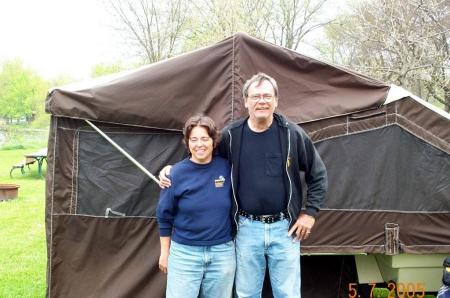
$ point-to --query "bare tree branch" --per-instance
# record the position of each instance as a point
(156, 27)
(404, 42)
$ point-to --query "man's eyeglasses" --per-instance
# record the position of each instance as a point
(257, 97)
(197, 140)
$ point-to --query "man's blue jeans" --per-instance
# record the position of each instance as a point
(258, 244)
(201, 271)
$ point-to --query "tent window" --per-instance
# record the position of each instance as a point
(109, 185)
(385, 169)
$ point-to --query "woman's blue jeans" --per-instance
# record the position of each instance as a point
(201, 271)
(258, 244)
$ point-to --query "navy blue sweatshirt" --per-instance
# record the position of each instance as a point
(195, 210)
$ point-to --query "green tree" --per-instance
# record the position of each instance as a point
(21, 91)
(42, 119)
(102, 69)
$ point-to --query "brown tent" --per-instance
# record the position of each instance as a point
(387, 155)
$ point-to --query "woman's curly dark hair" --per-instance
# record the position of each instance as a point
(203, 121)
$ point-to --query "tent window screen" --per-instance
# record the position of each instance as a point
(108, 184)
(385, 169)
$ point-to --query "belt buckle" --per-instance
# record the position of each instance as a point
(267, 218)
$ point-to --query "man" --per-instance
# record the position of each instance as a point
(267, 154)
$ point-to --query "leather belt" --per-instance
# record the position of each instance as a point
(265, 218)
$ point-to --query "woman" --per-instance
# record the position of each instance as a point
(194, 217)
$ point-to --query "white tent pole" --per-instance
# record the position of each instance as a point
(123, 151)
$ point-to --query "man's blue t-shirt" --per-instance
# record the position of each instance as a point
(261, 186)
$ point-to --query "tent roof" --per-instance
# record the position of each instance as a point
(209, 81)
(397, 93)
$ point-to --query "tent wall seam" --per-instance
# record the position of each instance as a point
(232, 79)
(73, 172)
(103, 216)
(436, 138)
(118, 123)
(382, 210)
(445, 149)
(76, 162)
(49, 272)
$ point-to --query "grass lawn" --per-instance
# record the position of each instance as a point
(22, 230)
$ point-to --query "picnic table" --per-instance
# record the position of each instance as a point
(39, 156)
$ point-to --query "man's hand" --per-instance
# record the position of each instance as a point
(302, 227)
(164, 181)
(163, 261)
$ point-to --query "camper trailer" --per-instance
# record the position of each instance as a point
(387, 211)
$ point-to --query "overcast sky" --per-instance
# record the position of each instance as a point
(57, 36)
(65, 37)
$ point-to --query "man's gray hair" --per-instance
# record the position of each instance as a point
(259, 77)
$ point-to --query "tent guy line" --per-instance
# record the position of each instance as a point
(123, 152)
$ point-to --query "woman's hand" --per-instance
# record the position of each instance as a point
(163, 262)
(164, 255)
